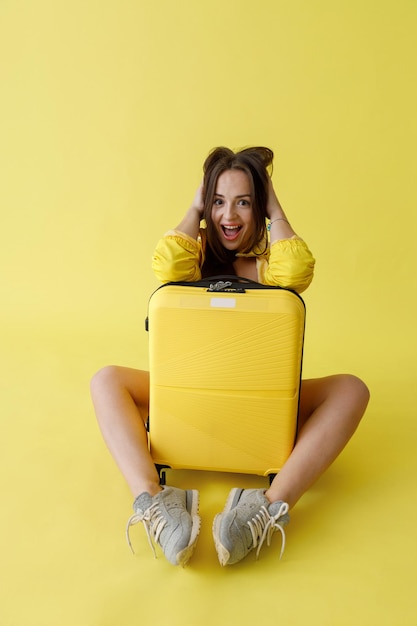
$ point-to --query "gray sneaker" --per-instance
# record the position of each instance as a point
(246, 521)
(171, 519)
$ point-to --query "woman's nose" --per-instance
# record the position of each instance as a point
(228, 212)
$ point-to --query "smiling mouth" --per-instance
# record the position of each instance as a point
(231, 232)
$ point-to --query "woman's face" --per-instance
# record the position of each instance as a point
(232, 213)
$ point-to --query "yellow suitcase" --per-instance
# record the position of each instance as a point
(225, 358)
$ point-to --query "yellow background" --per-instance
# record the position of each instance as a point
(107, 110)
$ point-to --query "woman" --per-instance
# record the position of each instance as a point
(235, 200)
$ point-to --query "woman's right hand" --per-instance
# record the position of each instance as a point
(190, 224)
(198, 202)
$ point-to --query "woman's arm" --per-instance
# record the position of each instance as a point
(279, 226)
(190, 224)
(290, 263)
(178, 255)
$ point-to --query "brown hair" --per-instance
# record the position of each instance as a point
(255, 163)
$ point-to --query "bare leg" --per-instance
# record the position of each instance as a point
(121, 400)
(330, 411)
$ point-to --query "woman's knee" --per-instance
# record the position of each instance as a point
(114, 380)
(106, 377)
(343, 393)
(355, 389)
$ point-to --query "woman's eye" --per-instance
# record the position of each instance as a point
(244, 203)
(217, 202)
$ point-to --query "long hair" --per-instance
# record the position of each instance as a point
(255, 163)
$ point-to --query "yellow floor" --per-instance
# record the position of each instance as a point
(351, 543)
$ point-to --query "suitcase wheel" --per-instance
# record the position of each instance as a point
(161, 472)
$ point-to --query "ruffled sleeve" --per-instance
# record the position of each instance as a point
(290, 264)
(177, 257)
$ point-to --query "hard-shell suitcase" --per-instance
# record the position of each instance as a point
(225, 358)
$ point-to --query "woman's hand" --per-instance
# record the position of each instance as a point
(190, 224)
(279, 226)
(273, 207)
(198, 202)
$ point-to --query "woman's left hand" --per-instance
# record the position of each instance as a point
(273, 207)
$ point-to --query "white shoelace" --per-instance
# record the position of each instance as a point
(263, 526)
(153, 521)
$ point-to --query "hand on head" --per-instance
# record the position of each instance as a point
(198, 202)
(273, 207)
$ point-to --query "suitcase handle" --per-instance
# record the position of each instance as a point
(229, 283)
(226, 283)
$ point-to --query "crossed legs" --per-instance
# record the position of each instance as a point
(330, 411)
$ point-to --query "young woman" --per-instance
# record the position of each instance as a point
(248, 234)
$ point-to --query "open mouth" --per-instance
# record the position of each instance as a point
(231, 232)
